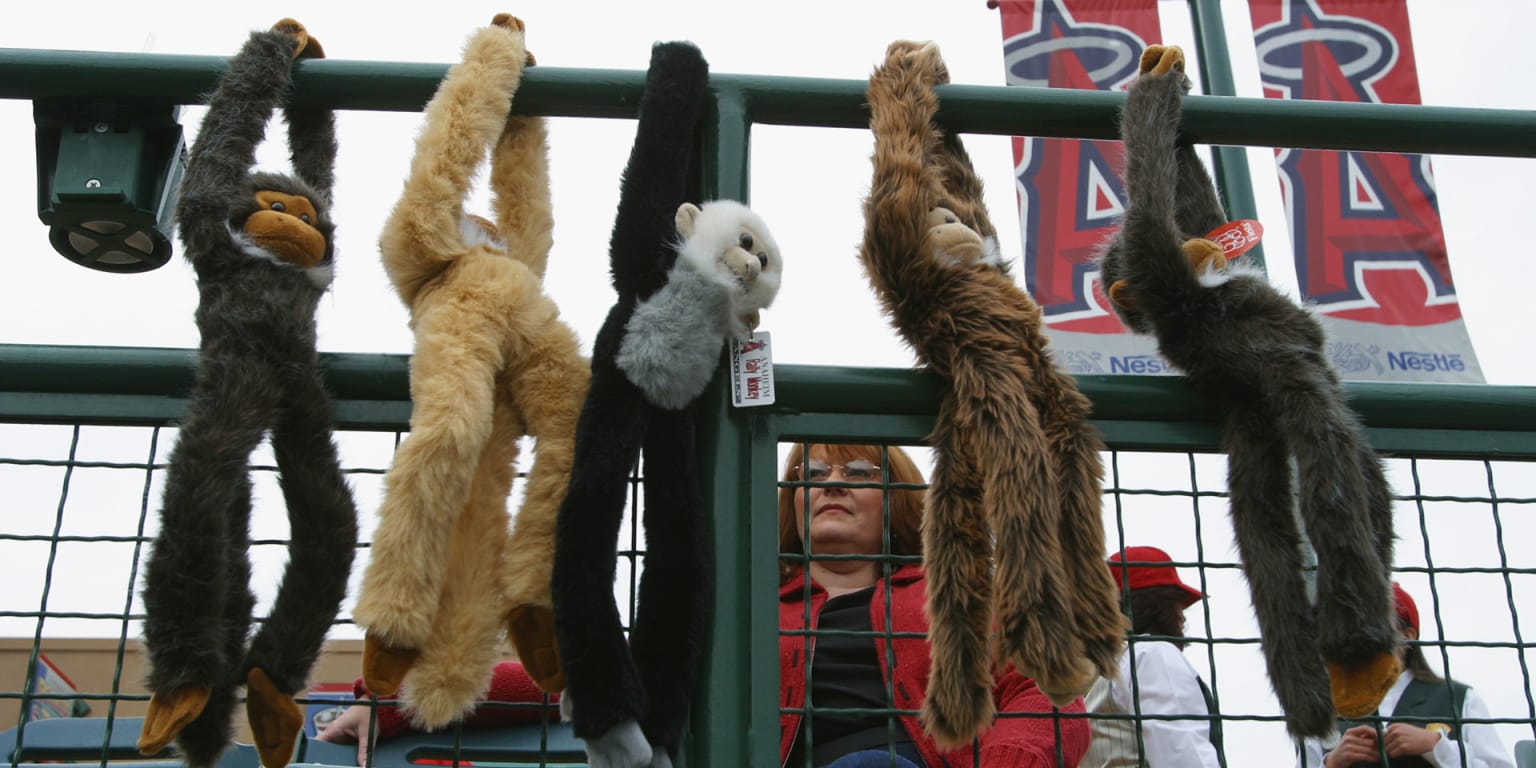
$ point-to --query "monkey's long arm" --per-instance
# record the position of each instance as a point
(657, 177)
(1154, 264)
(312, 146)
(322, 520)
(902, 191)
(520, 187)
(422, 235)
(226, 143)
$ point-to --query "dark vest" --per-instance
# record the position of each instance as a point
(1210, 706)
(1438, 703)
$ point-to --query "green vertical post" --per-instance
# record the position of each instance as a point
(1231, 163)
(735, 717)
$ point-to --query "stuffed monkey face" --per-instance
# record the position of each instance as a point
(951, 242)
(284, 224)
(728, 240)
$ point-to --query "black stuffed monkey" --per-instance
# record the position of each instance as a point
(687, 278)
(261, 246)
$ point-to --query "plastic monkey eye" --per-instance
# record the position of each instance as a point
(746, 242)
(950, 220)
(278, 206)
(304, 217)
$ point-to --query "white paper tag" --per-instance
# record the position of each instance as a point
(752, 370)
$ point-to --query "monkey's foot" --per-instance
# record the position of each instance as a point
(168, 714)
(1063, 689)
(274, 717)
(1160, 60)
(384, 668)
(955, 711)
(532, 629)
(1357, 691)
(1204, 255)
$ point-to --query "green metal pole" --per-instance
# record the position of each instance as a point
(999, 110)
(145, 386)
(733, 720)
(1231, 163)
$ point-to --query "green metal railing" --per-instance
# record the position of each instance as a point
(144, 387)
(738, 718)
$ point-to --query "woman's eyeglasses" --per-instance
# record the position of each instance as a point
(856, 471)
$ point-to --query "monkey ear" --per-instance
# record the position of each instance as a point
(686, 214)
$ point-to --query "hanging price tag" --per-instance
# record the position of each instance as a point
(752, 370)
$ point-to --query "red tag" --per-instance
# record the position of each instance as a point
(1236, 237)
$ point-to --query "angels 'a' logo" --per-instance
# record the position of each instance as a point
(1366, 225)
(1070, 193)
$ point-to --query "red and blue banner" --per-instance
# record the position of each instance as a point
(1069, 190)
(1370, 251)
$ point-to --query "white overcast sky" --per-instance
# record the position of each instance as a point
(808, 185)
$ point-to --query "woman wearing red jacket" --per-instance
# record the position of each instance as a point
(867, 646)
(869, 650)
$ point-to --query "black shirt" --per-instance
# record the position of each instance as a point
(845, 673)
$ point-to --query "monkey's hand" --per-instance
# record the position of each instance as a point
(1120, 293)
(923, 58)
(1158, 60)
(1205, 256)
(508, 21)
(513, 23)
(308, 47)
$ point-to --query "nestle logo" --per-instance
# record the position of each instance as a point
(1425, 361)
(1139, 364)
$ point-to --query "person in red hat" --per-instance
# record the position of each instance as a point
(1155, 598)
(1430, 713)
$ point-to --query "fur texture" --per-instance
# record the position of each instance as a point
(256, 373)
(1258, 357)
(672, 341)
(1015, 460)
(640, 405)
(493, 361)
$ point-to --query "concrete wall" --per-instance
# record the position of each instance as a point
(91, 665)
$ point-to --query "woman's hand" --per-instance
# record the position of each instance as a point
(1403, 739)
(1358, 745)
(351, 726)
